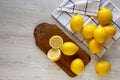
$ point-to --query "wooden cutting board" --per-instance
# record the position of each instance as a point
(42, 34)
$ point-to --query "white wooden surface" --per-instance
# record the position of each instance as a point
(20, 59)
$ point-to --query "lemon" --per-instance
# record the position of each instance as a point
(111, 30)
(76, 23)
(54, 54)
(77, 66)
(88, 31)
(100, 34)
(105, 16)
(56, 41)
(103, 68)
(94, 46)
(69, 48)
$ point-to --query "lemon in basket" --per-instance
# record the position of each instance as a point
(54, 54)
(56, 41)
(76, 23)
(100, 34)
(69, 48)
(94, 46)
(111, 30)
(88, 31)
(77, 66)
(105, 16)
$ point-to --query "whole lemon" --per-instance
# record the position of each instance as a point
(77, 66)
(76, 23)
(105, 16)
(94, 46)
(111, 30)
(69, 48)
(88, 31)
(100, 34)
(103, 68)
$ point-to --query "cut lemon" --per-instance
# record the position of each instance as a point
(56, 41)
(54, 54)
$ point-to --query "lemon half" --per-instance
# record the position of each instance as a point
(54, 54)
(56, 41)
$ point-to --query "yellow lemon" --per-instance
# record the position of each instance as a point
(54, 54)
(105, 16)
(77, 66)
(76, 23)
(111, 30)
(56, 41)
(88, 31)
(69, 48)
(103, 68)
(100, 34)
(94, 46)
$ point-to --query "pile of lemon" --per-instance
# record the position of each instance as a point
(96, 35)
(68, 48)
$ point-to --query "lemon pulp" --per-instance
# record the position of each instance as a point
(56, 41)
(54, 54)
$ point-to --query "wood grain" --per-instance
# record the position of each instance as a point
(42, 34)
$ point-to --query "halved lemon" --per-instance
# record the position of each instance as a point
(54, 54)
(56, 41)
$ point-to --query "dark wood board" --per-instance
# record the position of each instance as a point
(43, 32)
